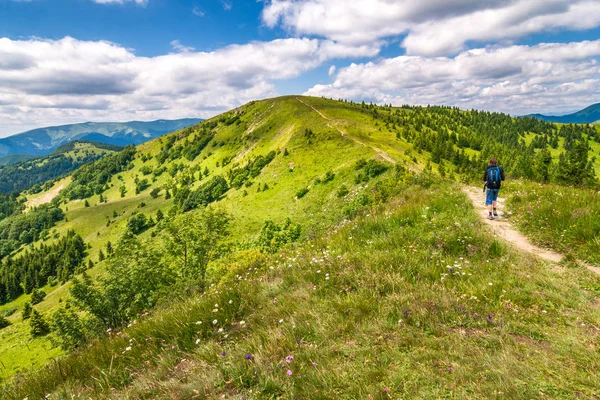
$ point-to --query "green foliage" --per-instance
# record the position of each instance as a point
(37, 267)
(92, 178)
(238, 176)
(26, 312)
(31, 174)
(141, 185)
(574, 168)
(194, 239)
(302, 192)
(38, 325)
(209, 192)
(369, 169)
(3, 322)
(33, 223)
(154, 193)
(37, 296)
(342, 191)
(68, 329)
(137, 223)
(134, 280)
(146, 170)
(272, 236)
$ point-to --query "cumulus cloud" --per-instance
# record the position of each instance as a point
(59, 81)
(435, 27)
(515, 79)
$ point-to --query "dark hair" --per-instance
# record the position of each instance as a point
(493, 162)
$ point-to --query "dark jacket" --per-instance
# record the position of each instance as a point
(490, 185)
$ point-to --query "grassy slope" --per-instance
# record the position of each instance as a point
(266, 125)
(371, 310)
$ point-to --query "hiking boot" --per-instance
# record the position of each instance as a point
(495, 213)
(490, 216)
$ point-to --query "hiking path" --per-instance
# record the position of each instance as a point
(502, 228)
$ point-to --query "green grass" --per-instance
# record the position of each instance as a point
(375, 307)
(273, 124)
(563, 218)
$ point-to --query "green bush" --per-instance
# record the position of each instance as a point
(3, 322)
(273, 236)
(37, 296)
(301, 193)
(137, 223)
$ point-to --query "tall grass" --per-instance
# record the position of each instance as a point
(564, 218)
(411, 300)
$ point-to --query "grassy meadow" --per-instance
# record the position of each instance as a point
(415, 299)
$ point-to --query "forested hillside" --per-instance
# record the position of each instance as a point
(31, 174)
(292, 243)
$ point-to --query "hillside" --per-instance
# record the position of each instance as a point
(32, 173)
(43, 141)
(588, 115)
(382, 283)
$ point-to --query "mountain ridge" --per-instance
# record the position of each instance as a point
(589, 115)
(42, 141)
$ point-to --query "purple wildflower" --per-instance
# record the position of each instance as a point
(223, 354)
(289, 359)
(289, 372)
(248, 356)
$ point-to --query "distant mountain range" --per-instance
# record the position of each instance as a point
(588, 115)
(43, 141)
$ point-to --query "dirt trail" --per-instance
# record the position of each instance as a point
(504, 229)
(48, 196)
(380, 152)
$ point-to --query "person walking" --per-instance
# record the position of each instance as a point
(493, 177)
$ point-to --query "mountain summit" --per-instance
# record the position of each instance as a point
(43, 141)
(588, 115)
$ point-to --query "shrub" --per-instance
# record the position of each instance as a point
(3, 322)
(155, 192)
(68, 329)
(342, 191)
(137, 223)
(301, 193)
(273, 236)
(37, 296)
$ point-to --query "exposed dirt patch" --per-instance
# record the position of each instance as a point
(48, 196)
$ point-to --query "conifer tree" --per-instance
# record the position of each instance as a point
(26, 313)
(38, 325)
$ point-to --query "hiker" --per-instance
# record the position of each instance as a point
(493, 177)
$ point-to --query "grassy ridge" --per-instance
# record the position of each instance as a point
(563, 218)
(414, 299)
(342, 133)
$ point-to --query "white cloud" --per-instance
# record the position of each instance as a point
(227, 5)
(198, 12)
(332, 70)
(434, 27)
(45, 82)
(516, 79)
(180, 48)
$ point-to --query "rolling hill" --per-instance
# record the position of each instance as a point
(43, 141)
(353, 265)
(30, 174)
(588, 115)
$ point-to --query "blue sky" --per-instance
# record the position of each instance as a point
(65, 61)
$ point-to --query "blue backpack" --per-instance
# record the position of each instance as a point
(494, 178)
